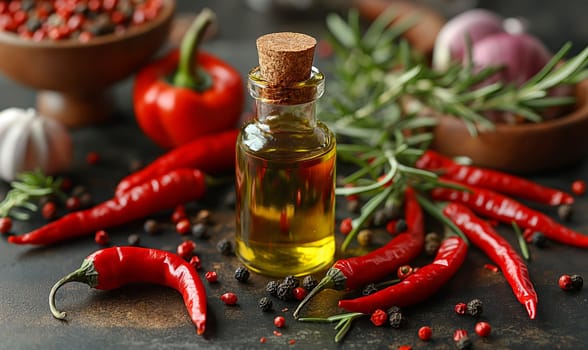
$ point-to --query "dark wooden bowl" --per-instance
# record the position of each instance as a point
(74, 77)
(524, 148)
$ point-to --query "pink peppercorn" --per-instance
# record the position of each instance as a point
(425, 333)
(279, 321)
(229, 298)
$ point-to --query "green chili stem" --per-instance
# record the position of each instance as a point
(85, 274)
(188, 74)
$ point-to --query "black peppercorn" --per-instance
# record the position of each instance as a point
(538, 239)
(369, 289)
(309, 282)
(401, 225)
(393, 309)
(199, 231)
(291, 281)
(577, 282)
(134, 239)
(272, 288)
(397, 320)
(432, 247)
(242, 274)
(225, 247)
(151, 227)
(284, 291)
(475, 307)
(264, 304)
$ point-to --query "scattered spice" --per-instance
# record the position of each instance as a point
(151, 227)
(570, 283)
(5, 225)
(579, 187)
(92, 158)
(186, 249)
(272, 288)
(491, 267)
(292, 341)
(204, 216)
(134, 239)
(72, 203)
(263, 340)
(309, 282)
(242, 274)
(346, 226)
(265, 304)
(225, 247)
(538, 239)
(364, 237)
(284, 292)
(279, 321)
(397, 319)
(277, 333)
(101, 237)
(178, 214)
(483, 329)
(460, 308)
(577, 282)
(199, 231)
(425, 333)
(564, 212)
(211, 276)
(379, 317)
(369, 288)
(183, 226)
(299, 293)
(229, 298)
(49, 210)
(475, 307)
(291, 281)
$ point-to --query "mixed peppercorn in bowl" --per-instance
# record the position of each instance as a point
(78, 65)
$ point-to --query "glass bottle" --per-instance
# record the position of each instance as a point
(285, 178)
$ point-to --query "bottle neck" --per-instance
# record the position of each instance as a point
(284, 108)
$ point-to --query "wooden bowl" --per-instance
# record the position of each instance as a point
(74, 77)
(524, 148)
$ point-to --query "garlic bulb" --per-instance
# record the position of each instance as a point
(29, 141)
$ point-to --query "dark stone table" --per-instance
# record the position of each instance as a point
(153, 317)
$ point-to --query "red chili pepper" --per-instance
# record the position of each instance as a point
(482, 235)
(211, 154)
(206, 95)
(491, 179)
(164, 192)
(504, 209)
(417, 287)
(354, 272)
(114, 267)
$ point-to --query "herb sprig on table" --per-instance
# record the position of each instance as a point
(385, 98)
(28, 188)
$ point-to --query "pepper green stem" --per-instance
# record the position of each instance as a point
(334, 279)
(188, 74)
(86, 273)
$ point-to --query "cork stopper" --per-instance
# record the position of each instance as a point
(285, 58)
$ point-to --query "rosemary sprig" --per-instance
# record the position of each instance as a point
(343, 322)
(26, 189)
(385, 100)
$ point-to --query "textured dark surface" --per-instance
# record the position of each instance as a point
(152, 317)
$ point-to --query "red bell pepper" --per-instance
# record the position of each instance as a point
(187, 94)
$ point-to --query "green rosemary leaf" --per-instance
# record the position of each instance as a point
(522, 242)
(559, 75)
(549, 102)
(559, 55)
(340, 30)
(373, 35)
(525, 112)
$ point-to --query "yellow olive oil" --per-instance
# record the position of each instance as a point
(285, 203)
